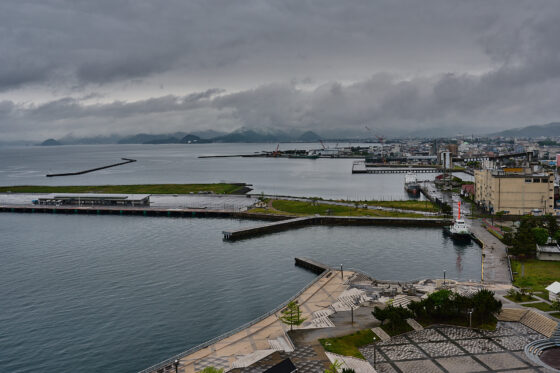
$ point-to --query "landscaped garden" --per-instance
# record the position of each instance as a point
(348, 345)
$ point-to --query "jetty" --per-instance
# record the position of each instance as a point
(360, 167)
(126, 160)
(332, 221)
(311, 265)
(267, 228)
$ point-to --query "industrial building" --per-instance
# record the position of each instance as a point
(91, 199)
(514, 191)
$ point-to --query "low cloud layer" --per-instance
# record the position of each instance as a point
(399, 67)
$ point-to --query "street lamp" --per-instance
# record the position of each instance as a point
(470, 317)
(341, 272)
(374, 352)
(176, 365)
(444, 271)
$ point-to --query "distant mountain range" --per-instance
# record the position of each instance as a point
(534, 131)
(203, 137)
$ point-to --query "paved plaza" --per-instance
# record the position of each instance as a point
(456, 350)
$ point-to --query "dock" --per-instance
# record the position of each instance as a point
(267, 228)
(332, 221)
(360, 167)
(126, 160)
(311, 265)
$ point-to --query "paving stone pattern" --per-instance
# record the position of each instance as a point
(457, 350)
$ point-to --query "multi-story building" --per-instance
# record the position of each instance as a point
(514, 191)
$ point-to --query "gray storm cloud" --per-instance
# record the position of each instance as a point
(399, 66)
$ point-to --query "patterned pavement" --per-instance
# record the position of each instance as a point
(454, 349)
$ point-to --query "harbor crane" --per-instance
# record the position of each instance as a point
(379, 138)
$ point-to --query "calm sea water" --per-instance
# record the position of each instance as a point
(174, 163)
(119, 293)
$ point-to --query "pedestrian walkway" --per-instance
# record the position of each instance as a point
(495, 267)
(414, 324)
(267, 335)
(381, 333)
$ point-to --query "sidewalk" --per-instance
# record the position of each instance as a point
(494, 264)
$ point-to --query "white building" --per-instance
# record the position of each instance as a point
(554, 291)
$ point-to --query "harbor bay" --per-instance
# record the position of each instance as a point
(122, 292)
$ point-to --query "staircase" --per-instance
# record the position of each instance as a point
(539, 323)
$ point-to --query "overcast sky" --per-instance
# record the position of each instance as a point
(399, 67)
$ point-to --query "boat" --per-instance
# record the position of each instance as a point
(459, 230)
(411, 184)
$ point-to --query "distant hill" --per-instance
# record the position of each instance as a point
(193, 139)
(309, 136)
(145, 138)
(50, 142)
(200, 137)
(546, 130)
(249, 135)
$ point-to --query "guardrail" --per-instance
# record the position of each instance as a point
(233, 331)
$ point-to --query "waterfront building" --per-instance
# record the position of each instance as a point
(93, 199)
(517, 191)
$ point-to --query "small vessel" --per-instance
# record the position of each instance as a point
(459, 230)
(411, 184)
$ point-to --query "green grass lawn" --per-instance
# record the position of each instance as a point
(522, 298)
(538, 274)
(540, 306)
(348, 344)
(555, 314)
(220, 188)
(406, 205)
(307, 208)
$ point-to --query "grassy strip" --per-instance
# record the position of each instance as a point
(427, 206)
(220, 188)
(307, 208)
(521, 299)
(540, 306)
(538, 274)
(555, 314)
(348, 344)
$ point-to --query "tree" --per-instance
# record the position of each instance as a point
(334, 367)
(551, 225)
(485, 305)
(396, 315)
(291, 315)
(541, 235)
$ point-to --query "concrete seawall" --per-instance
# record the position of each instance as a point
(332, 221)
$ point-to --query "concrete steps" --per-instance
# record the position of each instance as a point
(539, 323)
(512, 314)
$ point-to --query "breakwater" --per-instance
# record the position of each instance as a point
(126, 160)
(232, 235)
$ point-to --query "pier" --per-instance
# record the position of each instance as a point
(267, 228)
(333, 221)
(311, 265)
(360, 167)
(126, 160)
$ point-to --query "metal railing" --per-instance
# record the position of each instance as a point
(233, 331)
